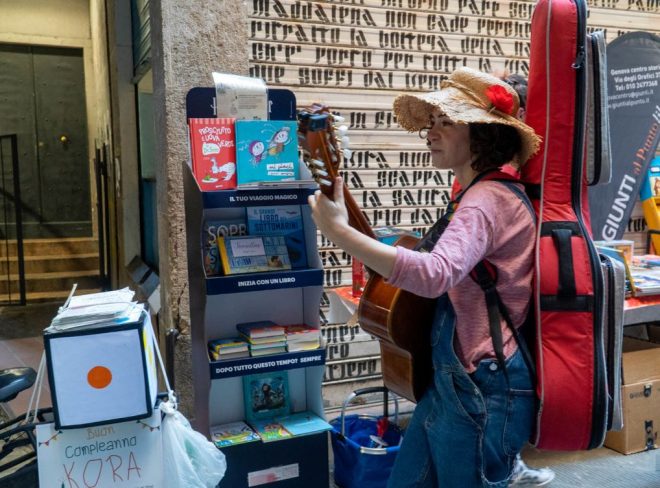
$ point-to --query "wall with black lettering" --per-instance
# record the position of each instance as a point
(356, 55)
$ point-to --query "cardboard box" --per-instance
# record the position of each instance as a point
(102, 375)
(640, 398)
(654, 333)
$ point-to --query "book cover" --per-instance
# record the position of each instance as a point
(248, 254)
(211, 230)
(627, 247)
(232, 433)
(263, 328)
(270, 430)
(620, 256)
(267, 150)
(266, 395)
(213, 153)
(285, 220)
(303, 423)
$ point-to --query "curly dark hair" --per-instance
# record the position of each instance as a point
(493, 145)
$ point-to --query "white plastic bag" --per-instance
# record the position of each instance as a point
(189, 459)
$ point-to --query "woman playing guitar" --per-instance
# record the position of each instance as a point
(477, 412)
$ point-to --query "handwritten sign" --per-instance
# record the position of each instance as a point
(122, 455)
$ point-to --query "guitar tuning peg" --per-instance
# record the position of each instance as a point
(345, 141)
(323, 182)
(347, 153)
(317, 163)
(342, 130)
(339, 119)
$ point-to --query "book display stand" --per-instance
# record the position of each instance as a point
(218, 303)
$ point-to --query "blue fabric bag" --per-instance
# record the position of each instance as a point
(360, 459)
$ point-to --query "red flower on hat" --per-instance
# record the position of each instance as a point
(502, 100)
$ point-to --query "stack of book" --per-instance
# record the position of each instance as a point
(302, 337)
(229, 348)
(645, 273)
(264, 337)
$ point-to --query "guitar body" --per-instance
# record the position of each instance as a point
(402, 322)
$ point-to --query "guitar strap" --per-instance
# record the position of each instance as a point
(484, 273)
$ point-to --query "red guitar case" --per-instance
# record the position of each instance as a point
(570, 357)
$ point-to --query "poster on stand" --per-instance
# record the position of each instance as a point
(633, 72)
(121, 455)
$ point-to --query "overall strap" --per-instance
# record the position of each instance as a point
(485, 275)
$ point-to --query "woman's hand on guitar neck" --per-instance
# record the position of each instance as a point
(331, 218)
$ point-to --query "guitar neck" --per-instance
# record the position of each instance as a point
(356, 218)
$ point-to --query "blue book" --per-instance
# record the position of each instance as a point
(285, 220)
(266, 396)
(304, 423)
(266, 150)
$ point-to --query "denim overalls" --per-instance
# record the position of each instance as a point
(467, 428)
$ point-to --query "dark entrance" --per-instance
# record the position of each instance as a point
(42, 101)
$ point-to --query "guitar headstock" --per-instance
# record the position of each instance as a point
(323, 153)
(318, 129)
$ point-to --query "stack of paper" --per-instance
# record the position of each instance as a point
(264, 337)
(302, 337)
(97, 310)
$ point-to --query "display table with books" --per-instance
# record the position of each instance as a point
(255, 283)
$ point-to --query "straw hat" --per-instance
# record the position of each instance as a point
(468, 96)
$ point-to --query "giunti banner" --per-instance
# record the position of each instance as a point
(633, 64)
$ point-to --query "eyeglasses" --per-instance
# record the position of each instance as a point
(424, 132)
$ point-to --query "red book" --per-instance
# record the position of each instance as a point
(213, 153)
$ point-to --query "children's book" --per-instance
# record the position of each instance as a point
(252, 254)
(263, 328)
(211, 230)
(213, 153)
(303, 423)
(267, 151)
(229, 348)
(285, 220)
(619, 255)
(270, 430)
(627, 247)
(232, 433)
(266, 396)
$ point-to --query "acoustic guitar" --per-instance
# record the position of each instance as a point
(399, 319)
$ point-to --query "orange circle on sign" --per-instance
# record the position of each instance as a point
(99, 377)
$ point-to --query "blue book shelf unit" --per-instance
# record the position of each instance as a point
(218, 303)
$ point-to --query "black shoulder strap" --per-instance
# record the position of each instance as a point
(485, 275)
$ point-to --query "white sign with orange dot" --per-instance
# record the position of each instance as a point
(104, 376)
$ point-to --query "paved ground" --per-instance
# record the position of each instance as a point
(600, 468)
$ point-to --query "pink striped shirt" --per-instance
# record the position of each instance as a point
(491, 223)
